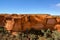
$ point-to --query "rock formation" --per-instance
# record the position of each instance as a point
(23, 22)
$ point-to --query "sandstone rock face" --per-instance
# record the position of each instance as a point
(57, 27)
(2, 21)
(51, 21)
(17, 25)
(9, 24)
(38, 26)
(26, 26)
(24, 22)
(58, 19)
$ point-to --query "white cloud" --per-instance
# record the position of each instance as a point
(58, 4)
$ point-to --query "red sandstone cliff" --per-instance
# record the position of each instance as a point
(24, 22)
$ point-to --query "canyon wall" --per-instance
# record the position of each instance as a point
(23, 22)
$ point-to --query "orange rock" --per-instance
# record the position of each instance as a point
(2, 21)
(17, 25)
(51, 27)
(9, 25)
(51, 21)
(57, 27)
(38, 26)
(23, 22)
(58, 19)
(37, 19)
(49, 16)
(27, 26)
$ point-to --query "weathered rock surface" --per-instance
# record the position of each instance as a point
(25, 22)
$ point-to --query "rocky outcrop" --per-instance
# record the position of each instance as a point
(23, 22)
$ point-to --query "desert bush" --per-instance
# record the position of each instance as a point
(56, 35)
(48, 35)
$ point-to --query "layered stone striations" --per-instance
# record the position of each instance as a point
(23, 22)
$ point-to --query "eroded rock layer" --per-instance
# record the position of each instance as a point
(23, 22)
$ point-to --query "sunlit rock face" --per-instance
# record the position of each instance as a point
(23, 22)
(58, 20)
(9, 24)
(57, 27)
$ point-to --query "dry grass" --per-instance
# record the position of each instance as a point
(47, 35)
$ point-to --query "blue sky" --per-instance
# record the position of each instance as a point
(30, 6)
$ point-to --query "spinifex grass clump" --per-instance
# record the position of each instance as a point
(47, 35)
(1, 29)
(56, 35)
